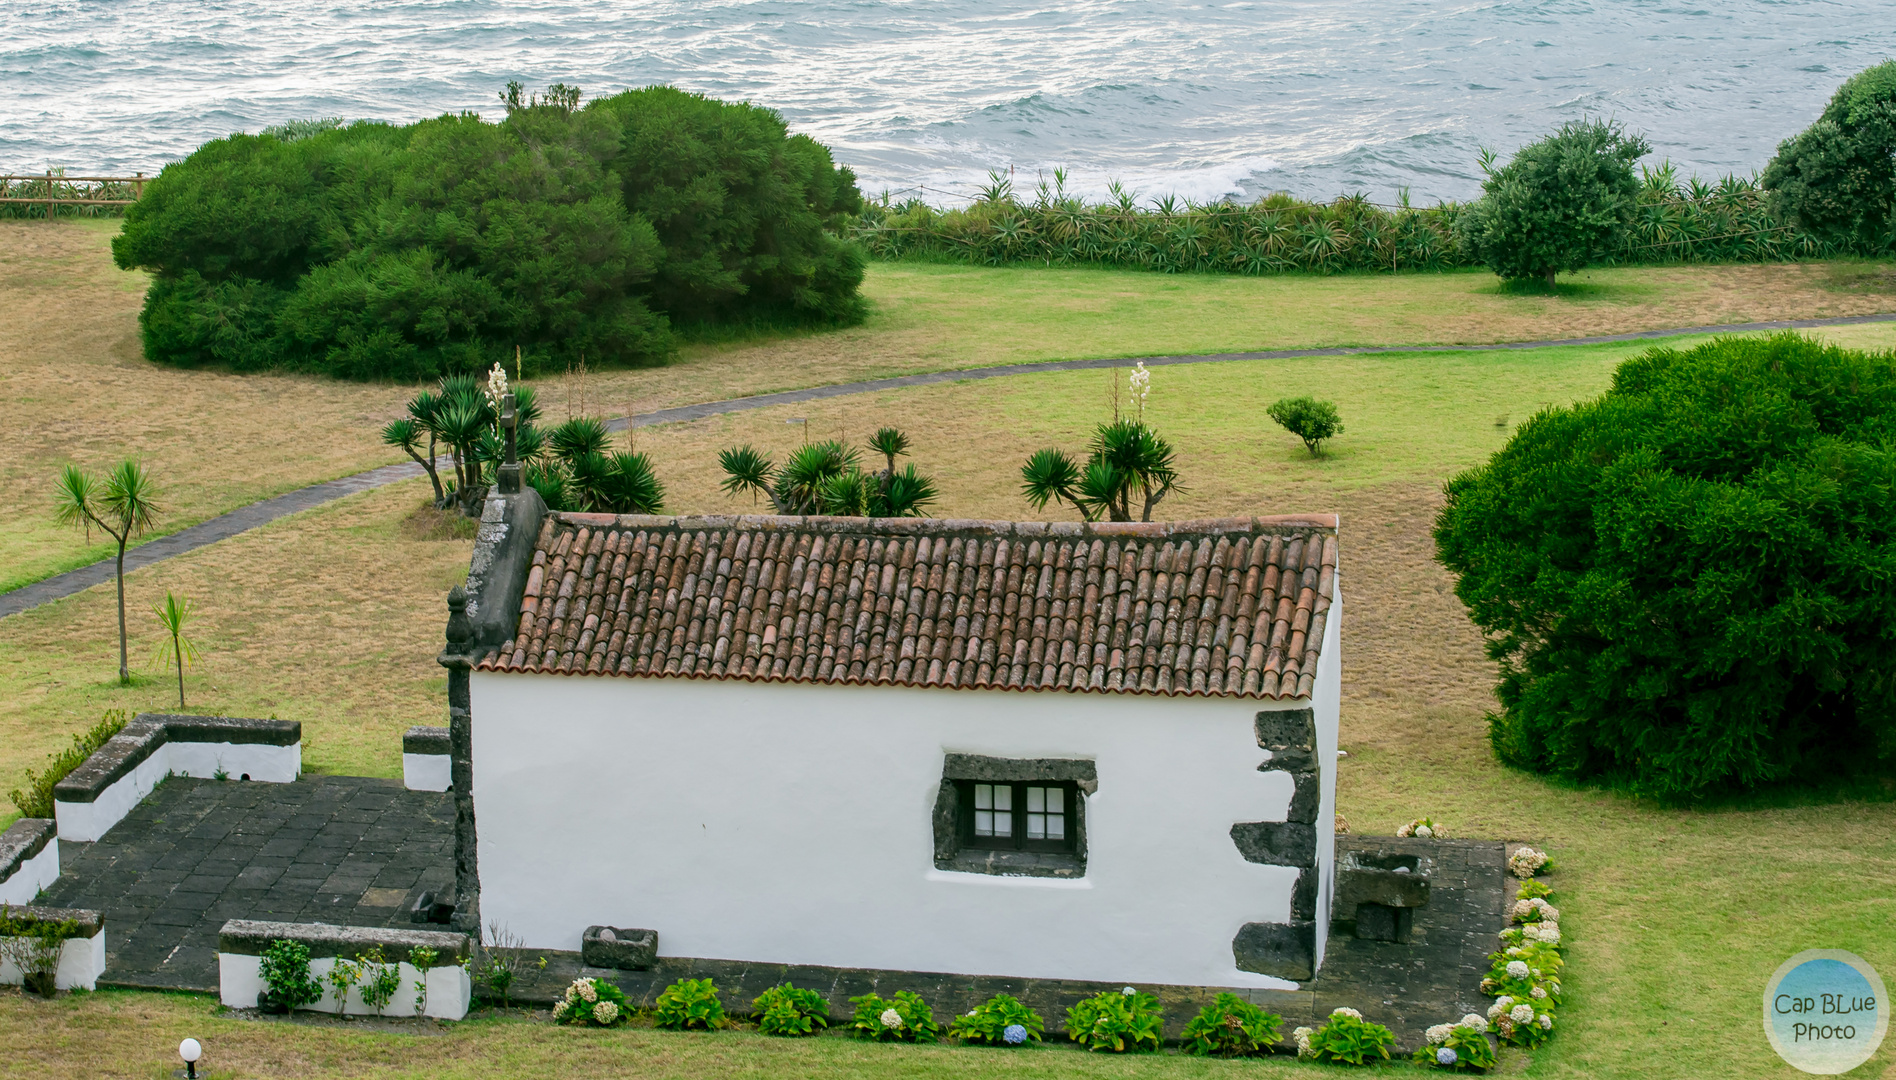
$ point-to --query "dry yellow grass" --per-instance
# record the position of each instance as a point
(71, 366)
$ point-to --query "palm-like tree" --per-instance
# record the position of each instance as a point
(121, 504)
(1127, 461)
(176, 648)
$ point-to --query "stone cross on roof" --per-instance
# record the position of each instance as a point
(509, 479)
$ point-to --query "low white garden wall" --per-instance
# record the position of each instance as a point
(426, 765)
(450, 989)
(29, 859)
(101, 791)
(81, 959)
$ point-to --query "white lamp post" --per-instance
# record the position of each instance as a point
(190, 1051)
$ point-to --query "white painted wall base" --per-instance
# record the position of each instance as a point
(33, 875)
(450, 989)
(86, 822)
(81, 962)
(265, 764)
(426, 772)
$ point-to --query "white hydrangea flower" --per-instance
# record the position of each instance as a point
(1547, 1021)
(1424, 832)
(1501, 1005)
(891, 1018)
(1514, 950)
(1547, 933)
(1549, 913)
(587, 990)
(1475, 1023)
(605, 1013)
(1406, 830)
(1128, 991)
(1302, 1035)
(1525, 862)
(1351, 1013)
(561, 1008)
(1438, 1033)
(1517, 969)
(1521, 1013)
(1537, 994)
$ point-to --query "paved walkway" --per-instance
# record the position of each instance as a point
(249, 517)
(338, 849)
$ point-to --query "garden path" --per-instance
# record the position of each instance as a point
(245, 518)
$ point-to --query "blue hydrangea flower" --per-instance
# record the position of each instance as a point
(1446, 1056)
(1014, 1035)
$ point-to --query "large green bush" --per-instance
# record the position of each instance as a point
(1837, 179)
(1563, 203)
(573, 234)
(1690, 582)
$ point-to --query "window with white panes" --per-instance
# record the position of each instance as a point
(1020, 816)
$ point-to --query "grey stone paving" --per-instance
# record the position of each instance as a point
(348, 850)
(249, 517)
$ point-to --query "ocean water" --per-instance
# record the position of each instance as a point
(1316, 97)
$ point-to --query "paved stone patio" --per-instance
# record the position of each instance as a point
(348, 850)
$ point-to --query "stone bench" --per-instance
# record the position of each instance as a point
(29, 859)
(241, 945)
(81, 958)
(425, 760)
(103, 789)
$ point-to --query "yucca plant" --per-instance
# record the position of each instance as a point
(827, 478)
(1128, 462)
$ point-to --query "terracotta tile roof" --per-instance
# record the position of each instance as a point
(1231, 607)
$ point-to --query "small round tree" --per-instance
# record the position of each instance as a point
(1307, 418)
(1837, 179)
(1689, 583)
(1563, 203)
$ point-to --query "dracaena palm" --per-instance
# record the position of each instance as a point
(1128, 463)
(122, 505)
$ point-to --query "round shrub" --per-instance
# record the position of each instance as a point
(1689, 582)
(1563, 203)
(574, 234)
(1837, 178)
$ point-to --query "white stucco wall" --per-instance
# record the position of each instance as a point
(81, 962)
(34, 874)
(1327, 701)
(792, 823)
(427, 772)
(450, 989)
(82, 822)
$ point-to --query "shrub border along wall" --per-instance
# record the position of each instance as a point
(241, 944)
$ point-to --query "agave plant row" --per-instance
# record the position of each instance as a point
(1678, 221)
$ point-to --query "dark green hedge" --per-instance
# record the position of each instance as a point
(376, 251)
(1690, 583)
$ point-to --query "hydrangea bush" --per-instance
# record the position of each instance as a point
(1345, 1039)
(1117, 1023)
(1462, 1046)
(1232, 1027)
(1001, 1020)
(1425, 828)
(592, 1001)
(903, 1018)
(1527, 861)
(690, 1003)
(786, 1010)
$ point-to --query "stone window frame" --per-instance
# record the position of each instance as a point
(953, 853)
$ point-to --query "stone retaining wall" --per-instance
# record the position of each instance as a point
(425, 759)
(104, 788)
(81, 959)
(242, 942)
(29, 859)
